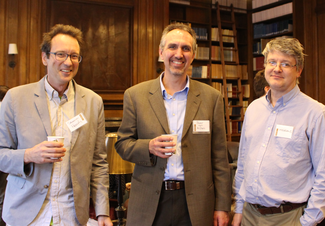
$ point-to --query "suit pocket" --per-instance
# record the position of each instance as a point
(16, 181)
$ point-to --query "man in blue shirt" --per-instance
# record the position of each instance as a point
(281, 166)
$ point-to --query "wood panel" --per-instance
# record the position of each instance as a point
(24, 22)
(107, 31)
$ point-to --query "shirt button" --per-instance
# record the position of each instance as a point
(172, 164)
(258, 162)
(255, 180)
(46, 186)
(173, 114)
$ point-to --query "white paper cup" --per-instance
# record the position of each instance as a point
(55, 139)
(174, 140)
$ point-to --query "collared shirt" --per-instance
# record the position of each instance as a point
(59, 201)
(175, 108)
(274, 168)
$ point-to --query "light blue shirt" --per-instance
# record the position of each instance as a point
(272, 168)
(175, 109)
(59, 201)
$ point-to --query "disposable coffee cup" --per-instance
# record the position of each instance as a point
(174, 140)
(55, 139)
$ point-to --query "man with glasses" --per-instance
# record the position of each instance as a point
(280, 178)
(50, 183)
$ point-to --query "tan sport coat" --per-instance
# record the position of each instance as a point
(25, 122)
(207, 180)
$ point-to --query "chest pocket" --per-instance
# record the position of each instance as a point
(288, 148)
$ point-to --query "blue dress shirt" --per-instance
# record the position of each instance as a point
(175, 109)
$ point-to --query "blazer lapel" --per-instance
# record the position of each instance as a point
(192, 106)
(41, 105)
(80, 107)
(157, 103)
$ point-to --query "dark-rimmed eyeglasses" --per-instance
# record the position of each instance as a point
(62, 56)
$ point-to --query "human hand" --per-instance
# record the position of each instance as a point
(104, 221)
(45, 152)
(220, 218)
(128, 186)
(157, 146)
(237, 219)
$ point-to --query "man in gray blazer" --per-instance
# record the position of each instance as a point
(51, 182)
(191, 186)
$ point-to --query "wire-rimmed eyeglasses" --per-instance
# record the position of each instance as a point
(62, 56)
(272, 63)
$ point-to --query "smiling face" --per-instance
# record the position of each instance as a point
(61, 72)
(281, 80)
(177, 53)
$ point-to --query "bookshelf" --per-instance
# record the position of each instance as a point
(271, 19)
(221, 59)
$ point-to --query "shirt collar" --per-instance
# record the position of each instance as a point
(52, 93)
(285, 98)
(164, 92)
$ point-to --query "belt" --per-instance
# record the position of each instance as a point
(283, 208)
(170, 185)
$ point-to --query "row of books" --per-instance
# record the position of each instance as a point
(258, 63)
(228, 53)
(227, 35)
(235, 127)
(260, 3)
(267, 29)
(272, 13)
(201, 33)
(231, 71)
(236, 3)
(184, 2)
(233, 91)
(199, 72)
(202, 53)
(258, 47)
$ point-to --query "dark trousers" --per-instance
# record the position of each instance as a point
(172, 209)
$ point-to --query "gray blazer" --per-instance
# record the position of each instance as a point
(207, 180)
(25, 122)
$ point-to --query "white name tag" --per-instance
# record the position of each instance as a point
(283, 131)
(201, 126)
(76, 122)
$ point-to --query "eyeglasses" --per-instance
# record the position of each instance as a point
(62, 56)
(272, 63)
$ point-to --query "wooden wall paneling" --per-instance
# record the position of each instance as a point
(304, 12)
(3, 46)
(12, 13)
(161, 15)
(152, 18)
(35, 68)
(107, 51)
(321, 53)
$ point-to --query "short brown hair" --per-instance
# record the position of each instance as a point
(178, 26)
(60, 29)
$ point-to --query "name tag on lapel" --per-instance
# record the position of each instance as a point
(76, 122)
(201, 127)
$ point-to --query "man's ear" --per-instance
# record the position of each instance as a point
(44, 59)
